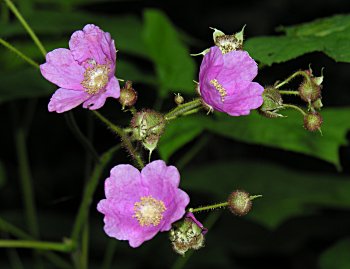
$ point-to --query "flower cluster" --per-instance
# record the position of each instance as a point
(139, 204)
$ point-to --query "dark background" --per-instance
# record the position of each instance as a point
(59, 164)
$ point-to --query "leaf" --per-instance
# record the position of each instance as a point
(329, 35)
(174, 66)
(178, 133)
(24, 83)
(124, 29)
(282, 133)
(286, 193)
(337, 256)
(288, 133)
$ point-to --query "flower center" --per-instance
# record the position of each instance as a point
(149, 211)
(219, 88)
(227, 43)
(95, 78)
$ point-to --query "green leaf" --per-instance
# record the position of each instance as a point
(282, 133)
(178, 133)
(286, 193)
(24, 83)
(337, 256)
(174, 66)
(329, 35)
(124, 29)
(288, 133)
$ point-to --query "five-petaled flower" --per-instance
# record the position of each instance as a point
(138, 205)
(84, 72)
(225, 82)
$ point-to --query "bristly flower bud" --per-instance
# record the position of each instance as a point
(272, 103)
(313, 121)
(187, 234)
(178, 99)
(240, 202)
(317, 104)
(228, 43)
(128, 96)
(148, 126)
(310, 89)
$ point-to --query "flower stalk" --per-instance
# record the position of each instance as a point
(184, 109)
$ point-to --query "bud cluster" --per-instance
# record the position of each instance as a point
(309, 91)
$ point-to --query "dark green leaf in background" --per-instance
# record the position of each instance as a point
(298, 193)
(283, 133)
(174, 66)
(337, 256)
(329, 35)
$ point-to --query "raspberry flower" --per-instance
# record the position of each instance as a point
(225, 82)
(84, 72)
(138, 205)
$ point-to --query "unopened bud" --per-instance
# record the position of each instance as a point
(240, 202)
(187, 234)
(317, 104)
(313, 121)
(272, 103)
(178, 99)
(128, 96)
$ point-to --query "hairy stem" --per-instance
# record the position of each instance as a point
(287, 80)
(124, 138)
(184, 109)
(289, 92)
(208, 207)
(295, 108)
(26, 26)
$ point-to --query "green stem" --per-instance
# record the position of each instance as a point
(26, 182)
(295, 108)
(80, 136)
(13, 230)
(124, 138)
(85, 247)
(20, 54)
(287, 80)
(208, 207)
(62, 247)
(89, 191)
(26, 26)
(109, 254)
(184, 109)
(289, 92)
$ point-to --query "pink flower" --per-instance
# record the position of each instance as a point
(140, 204)
(225, 82)
(84, 72)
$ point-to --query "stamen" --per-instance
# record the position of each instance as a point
(227, 43)
(95, 78)
(149, 211)
(219, 88)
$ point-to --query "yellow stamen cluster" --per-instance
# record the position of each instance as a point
(149, 211)
(219, 88)
(95, 78)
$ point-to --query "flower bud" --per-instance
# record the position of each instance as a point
(317, 104)
(187, 234)
(272, 103)
(313, 121)
(178, 99)
(128, 96)
(228, 43)
(239, 202)
(310, 89)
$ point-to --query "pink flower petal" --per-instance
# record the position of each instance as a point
(98, 100)
(93, 43)
(60, 68)
(64, 99)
